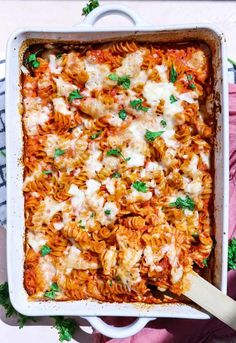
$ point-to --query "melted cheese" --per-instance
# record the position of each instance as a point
(131, 64)
(110, 185)
(97, 74)
(93, 163)
(35, 115)
(55, 64)
(64, 88)
(136, 158)
(77, 199)
(51, 207)
(194, 187)
(60, 106)
(205, 158)
(36, 240)
(135, 196)
(48, 271)
(106, 219)
(163, 72)
(109, 260)
(72, 259)
(154, 92)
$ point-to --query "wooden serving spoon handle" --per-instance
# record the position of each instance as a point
(211, 299)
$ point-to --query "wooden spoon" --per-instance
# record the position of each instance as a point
(211, 299)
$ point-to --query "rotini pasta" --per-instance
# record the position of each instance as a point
(117, 170)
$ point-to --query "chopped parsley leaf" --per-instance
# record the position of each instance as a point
(189, 77)
(54, 287)
(140, 186)
(173, 99)
(113, 77)
(45, 250)
(187, 203)
(173, 74)
(150, 136)
(47, 172)
(91, 5)
(75, 95)
(114, 152)
(232, 254)
(163, 123)
(192, 86)
(115, 175)
(96, 135)
(107, 212)
(123, 81)
(58, 55)
(205, 262)
(137, 105)
(59, 152)
(2, 152)
(122, 114)
(65, 327)
(53, 290)
(32, 60)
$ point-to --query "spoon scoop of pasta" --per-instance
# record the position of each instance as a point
(211, 299)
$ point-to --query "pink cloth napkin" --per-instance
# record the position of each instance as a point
(186, 330)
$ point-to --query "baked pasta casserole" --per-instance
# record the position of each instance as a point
(118, 142)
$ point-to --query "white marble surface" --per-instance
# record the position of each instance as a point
(15, 14)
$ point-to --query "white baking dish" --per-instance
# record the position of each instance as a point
(15, 202)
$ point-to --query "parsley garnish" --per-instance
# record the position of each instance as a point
(65, 327)
(137, 104)
(58, 55)
(2, 152)
(53, 290)
(151, 136)
(45, 250)
(187, 203)
(205, 262)
(116, 175)
(96, 135)
(189, 77)
(122, 114)
(5, 302)
(59, 152)
(123, 81)
(54, 287)
(113, 77)
(110, 283)
(91, 5)
(107, 212)
(114, 152)
(118, 278)
(140, 186)
(163, 123)
(32, 60)
(75, 95)
(192, 86)
(47, 172)
(173, 99)
(173, 74)
(232, 254)
(117, 152)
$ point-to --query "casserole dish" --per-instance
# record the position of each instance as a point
(15, 212)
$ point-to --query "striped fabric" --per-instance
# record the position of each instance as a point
(231, 76)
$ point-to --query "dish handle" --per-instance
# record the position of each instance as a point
(118, 332)
(104, 10)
